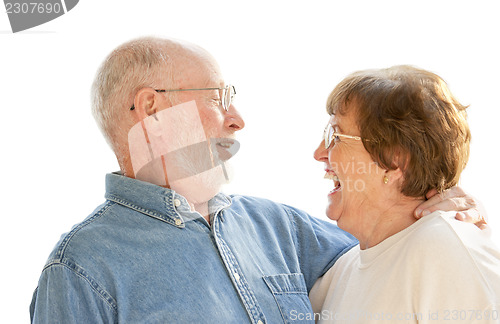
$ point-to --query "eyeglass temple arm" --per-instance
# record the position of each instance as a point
(165, 90)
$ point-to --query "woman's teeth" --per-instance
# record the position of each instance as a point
(331, 176)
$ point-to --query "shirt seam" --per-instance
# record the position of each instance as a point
(246, 294)
(94, 285)
(62, 247)
(294, 232)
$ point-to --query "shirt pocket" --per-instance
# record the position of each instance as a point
(290, 293)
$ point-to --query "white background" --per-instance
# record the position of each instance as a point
(283, 56)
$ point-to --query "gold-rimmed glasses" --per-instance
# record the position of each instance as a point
(331, 136)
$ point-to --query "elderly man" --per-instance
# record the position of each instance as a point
(166, 246)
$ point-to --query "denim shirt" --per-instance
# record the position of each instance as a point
(144, 257)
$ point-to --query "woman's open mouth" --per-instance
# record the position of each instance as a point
(330, 175)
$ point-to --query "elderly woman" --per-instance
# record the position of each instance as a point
(394, 134)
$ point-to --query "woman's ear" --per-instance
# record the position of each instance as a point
(391, 176)
(146, 102)
(399, 163)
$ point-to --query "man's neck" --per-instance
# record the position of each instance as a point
(202, 209)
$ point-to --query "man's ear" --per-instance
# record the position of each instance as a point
(147, 102)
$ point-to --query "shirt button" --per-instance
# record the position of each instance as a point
(178, 222)
(236, 277)
(177, 202)
(260, 322)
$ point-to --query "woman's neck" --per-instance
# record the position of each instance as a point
(385, 221)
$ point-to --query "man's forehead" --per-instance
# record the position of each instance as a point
(199, 73)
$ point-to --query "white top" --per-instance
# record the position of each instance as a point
(438, 270)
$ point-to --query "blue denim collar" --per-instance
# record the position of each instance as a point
(153, 200)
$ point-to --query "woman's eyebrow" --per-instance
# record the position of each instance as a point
(337, 128)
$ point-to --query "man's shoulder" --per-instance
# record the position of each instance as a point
(82, 236)
(254, 203)
(264, 207)
(245, 199)
(265, 211)
(262, 203)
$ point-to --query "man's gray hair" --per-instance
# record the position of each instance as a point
(139, 63)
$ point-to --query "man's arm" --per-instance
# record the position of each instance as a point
(68, 296)
(319, 244)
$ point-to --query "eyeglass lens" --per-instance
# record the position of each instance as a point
(328, 135)
(228, 95)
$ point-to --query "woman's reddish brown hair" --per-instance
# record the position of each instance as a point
(408, 119)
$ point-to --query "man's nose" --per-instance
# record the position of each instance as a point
(233, 119)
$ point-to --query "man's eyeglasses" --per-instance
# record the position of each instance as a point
(331, 136)
(226, 96)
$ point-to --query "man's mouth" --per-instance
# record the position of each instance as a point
(225, 145)
(224, 148)
(330, 175)
(225, 142)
